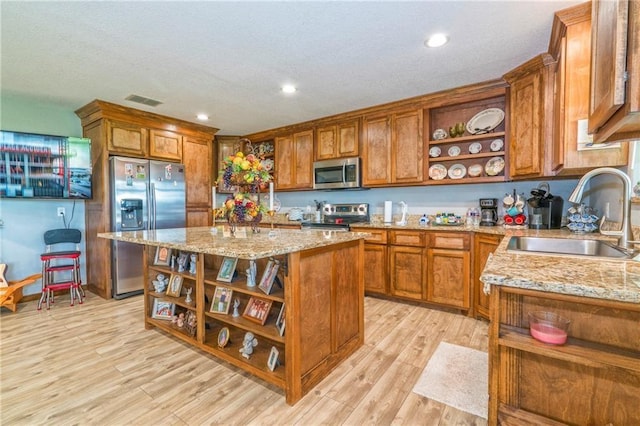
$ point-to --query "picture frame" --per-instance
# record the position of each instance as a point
(227, 269)
(257, 310)
(163, 256)
(280, 321)
(162, 309)
(221, 300)
(272, 361)
(175, 285)
(223, 337)
(269, 276)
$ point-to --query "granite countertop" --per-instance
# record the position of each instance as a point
(617, 280)
(255, 246)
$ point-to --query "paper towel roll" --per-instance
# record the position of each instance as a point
(388, 212)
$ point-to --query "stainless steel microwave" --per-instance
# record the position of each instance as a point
(340, 173)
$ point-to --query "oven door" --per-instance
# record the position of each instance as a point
(325, 226)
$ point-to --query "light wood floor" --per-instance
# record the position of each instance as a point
(95, 364)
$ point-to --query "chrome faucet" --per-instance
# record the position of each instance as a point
(624, 234)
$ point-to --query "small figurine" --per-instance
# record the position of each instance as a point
(251, 274)
(182, 262)
(188, 299)
(248, 344)
(173, 262)
(180, 321)
(236, 305)
(192, 264)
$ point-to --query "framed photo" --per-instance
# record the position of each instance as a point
(269, 275)
(223, 337)
(163, 256)
(227, 269)
(257, 310)
(272, 361)
(162, 309)
(221, 300)
(280, 321)
(175, 285)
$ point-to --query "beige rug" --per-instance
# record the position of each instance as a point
(457, 376)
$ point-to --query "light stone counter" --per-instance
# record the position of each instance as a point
(565, 274)
(254, 246)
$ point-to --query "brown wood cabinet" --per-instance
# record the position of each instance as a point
(614, 107)
(571, 46)
(294, 161)
(530, 112)
(338, 141)
(448, 271)
(118, 130)
(483, 246)
(407, 272)
(392, 149)
(376, 278)
(592, 379)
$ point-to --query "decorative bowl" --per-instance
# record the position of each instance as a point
(548, 327)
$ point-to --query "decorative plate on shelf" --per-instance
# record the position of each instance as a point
(496, 145)
(475, 170)
(454, 151)
(435, 151)
(437, 172)
(457, 171)
(494, 166)
(485, 121)
(268, 164)
(439, 134)
(475, 148)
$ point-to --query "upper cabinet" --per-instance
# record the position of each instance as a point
(338, 141)
(294, 161)
(614, 107)
(570, 44)
(392, 149)
(165, 145)
(127, 138)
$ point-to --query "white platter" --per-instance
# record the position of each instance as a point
(494, 166)
(475, 148)
(485, 121)
(437, 172)
(475, 170)
(435, 151)
(457, 171)
(268, 164)
(496, 145)
(454, 151)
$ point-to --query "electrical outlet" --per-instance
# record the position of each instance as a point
(61, 211)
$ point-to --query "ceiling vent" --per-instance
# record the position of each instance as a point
(142, 100)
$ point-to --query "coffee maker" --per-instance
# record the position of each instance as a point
(488, 211)
(545, 210)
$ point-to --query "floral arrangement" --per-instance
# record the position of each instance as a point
(249, 175)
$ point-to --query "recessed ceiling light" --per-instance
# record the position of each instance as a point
(289, 88)
(436, 40)
(202, 117)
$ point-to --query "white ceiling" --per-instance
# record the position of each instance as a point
(229, 59)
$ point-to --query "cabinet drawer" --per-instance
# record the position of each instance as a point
(378, 236)
(407, 238)
(450, 240)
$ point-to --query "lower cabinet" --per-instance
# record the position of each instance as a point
(448, 277)
(376, 277)
(406, 272)
(483, 246)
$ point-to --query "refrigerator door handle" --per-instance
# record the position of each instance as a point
(152, 206)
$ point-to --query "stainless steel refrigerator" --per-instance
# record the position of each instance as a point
(146, 194)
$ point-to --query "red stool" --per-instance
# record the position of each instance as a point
(50, 265)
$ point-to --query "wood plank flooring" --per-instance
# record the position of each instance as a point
(95, 364)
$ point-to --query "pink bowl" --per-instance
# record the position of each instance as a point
(548, 327)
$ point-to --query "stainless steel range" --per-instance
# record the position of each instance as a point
(340, 216)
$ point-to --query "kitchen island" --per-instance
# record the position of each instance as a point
(594, 378)
(317, 286)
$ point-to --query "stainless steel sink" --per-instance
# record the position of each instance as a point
(593, 248)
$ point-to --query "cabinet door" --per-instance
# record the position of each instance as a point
(303, 148)
(407, 144)
(376, 152)
(348, 139)
(284, 162)
(484, 245)
(327, 143)
(375, 272)
(198, 217)
(166, 145)
(608, 60)
(197, 162)
(448, 277)
(407, 272)
(125, 138)
(526, 123)
(225, 147)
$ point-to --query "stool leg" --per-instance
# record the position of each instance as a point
(44, 285)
